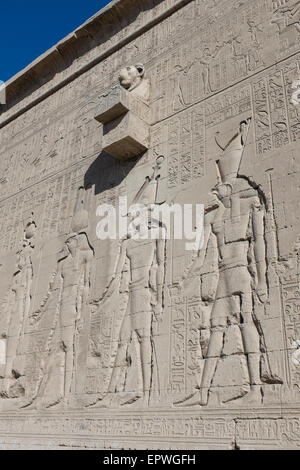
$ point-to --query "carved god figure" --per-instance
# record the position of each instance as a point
(237, 225)
(142, 262)
(18, 307)
(68, 296)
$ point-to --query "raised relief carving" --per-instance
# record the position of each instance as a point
(68, 302)
(184, 139)
(132, 78)
(245, 59)
(205, 60)
(125, 114)
(140, 273)
(236, 336)
(116, 343)
(16, 309)
(287, 15)
(286, 23)
(289, 271)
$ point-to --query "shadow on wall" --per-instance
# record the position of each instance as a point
(106, 172)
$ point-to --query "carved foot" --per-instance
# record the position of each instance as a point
(33, 404)
(28, 404)
(189, 400)
(59, 404)
(198, 398)
(105, 402)
(78, 403)
(253, 397)
(132, 397)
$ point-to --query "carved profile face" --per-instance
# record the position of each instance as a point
(130, 77)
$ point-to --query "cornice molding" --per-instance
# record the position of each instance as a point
(88, 36)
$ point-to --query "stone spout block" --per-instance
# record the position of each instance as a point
(118, 101)
(126, 123)
(126, 137)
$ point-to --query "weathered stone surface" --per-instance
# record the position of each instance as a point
(121, 342)
(125, 114)
(117, 101)
(126, 137)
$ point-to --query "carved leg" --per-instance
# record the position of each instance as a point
(68, 336)
(10, 358)
(206, 82)
(204, 340)
(120, 363)
(251, 342)
(12, 343)
(219, 316)
(69, 364)
(200, 397)
(218, 326)
(213, 354)
(251, 347)
(121, 356)
(111, 398)
(141, 325)
(146, 360)
(251, 339)
(7, 381)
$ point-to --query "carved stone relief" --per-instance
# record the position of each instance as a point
(235, 333)
(149, 341)
(125, 114)
(140, 274)
(68, 295)
(16, 309)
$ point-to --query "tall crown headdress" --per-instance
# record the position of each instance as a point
(229, 163)
(80, 219)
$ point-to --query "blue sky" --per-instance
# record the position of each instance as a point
(29, 28)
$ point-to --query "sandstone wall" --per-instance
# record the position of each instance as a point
(115, 344)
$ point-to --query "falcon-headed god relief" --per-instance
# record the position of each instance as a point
(237, 225)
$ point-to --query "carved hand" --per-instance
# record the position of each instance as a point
(262, 292)
(109, 289)
(35, 317)
(79, 324)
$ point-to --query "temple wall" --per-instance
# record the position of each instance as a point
(122, 344)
